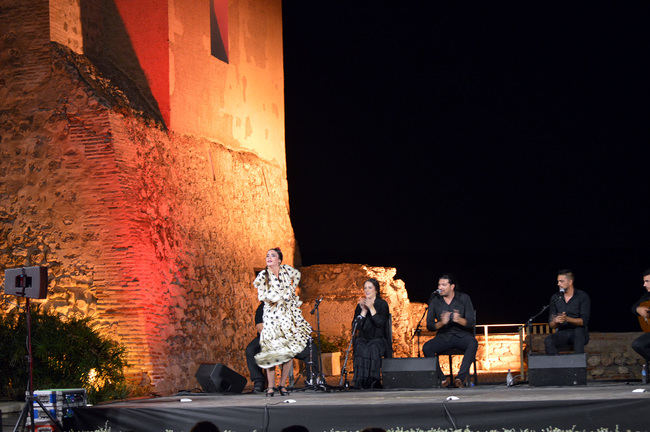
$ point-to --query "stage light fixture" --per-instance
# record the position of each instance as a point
(28, 282)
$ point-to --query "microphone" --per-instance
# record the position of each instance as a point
(358, 317)
(433, 294)
(316, 303)
(558, 295)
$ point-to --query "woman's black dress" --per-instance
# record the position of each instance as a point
(370, 345)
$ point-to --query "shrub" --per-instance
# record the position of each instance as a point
(68, 353)
(332, 343)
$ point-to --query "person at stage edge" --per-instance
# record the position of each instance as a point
(285, 331)
(569, 314)
(256, 374)
(370, 343)
(642, 344)
(451, 314)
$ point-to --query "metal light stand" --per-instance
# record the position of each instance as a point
(28, 409)
(343, 382)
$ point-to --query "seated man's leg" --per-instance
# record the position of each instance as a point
(469, 344)
(642, 346)
(433, 347)
(253, 369)
(550, 344)
(579, 340)
(560, 338)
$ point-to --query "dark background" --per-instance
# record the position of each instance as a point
(499, 143)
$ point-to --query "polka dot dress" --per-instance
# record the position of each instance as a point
(285, 330)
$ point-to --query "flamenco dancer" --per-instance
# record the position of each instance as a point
(285, 332)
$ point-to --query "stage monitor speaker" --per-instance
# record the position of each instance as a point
(409, 372)
(557, 370)
(218, 378)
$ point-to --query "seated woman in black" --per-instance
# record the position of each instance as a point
(370, 342)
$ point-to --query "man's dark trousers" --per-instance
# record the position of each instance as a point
(566, 338)
(256, 374)
(443, 342)
(642, 346)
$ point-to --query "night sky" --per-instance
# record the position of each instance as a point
(498, 143)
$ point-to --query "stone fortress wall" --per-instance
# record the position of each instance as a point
(150, 225)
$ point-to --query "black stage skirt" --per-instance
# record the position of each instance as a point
(367, 362)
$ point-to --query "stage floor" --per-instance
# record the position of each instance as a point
(484, 407)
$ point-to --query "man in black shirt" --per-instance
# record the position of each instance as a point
(257, 376)
(568, 313)
(451, 314)
(642, 344)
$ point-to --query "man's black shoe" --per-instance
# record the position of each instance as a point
(258, 387)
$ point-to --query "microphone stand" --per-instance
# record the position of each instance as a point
(320, 383)
(528, 326)
(343, 382)
(556, 297)
(529, 323)
(418, 331)
(309, 374)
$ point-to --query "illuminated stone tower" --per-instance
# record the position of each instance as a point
(143, 161)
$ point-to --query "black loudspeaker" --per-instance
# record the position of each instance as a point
(409, 372)
(218, 378)
(557, 370)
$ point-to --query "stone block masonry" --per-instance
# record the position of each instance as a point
(153, 234)
(609, 355)
(341, 286)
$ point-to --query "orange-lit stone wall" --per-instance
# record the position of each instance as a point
(65, 24)
(153, 233)
(240, 104)
(500, 353)
(159, 53)
(128, 41)
(341, 286)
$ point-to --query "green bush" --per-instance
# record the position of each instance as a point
(331, 344)
(67, 353)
